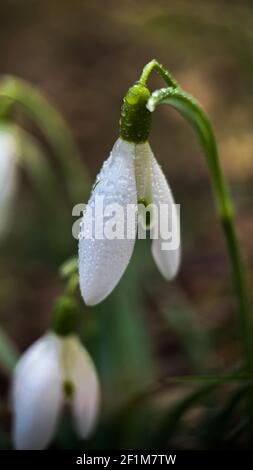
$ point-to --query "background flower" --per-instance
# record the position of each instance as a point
(53, 372)
(8, 176)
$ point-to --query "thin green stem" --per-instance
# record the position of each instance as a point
(154, 65)
(192, 111)
(65, 315)
(197, 118)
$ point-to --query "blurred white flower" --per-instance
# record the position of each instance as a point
(54, 371)
(8, 176)
(130, 175)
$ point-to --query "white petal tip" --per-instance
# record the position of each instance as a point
(168, 262)
(91, 301)
(86, 401)
(92, 298)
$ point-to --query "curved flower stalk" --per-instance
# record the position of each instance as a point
(8, 176)
(55, 371)
(130, 176)
(196, 117)
(193, 113)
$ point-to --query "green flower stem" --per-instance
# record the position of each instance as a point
(199, 121)
(135, 118)
(69, 267)
(66, 310)
(13, 92)
(154, 65)
(69, 273)
(65, 314)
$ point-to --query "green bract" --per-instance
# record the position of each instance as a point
(135, 119)
(65, 316)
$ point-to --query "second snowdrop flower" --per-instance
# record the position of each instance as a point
(55, 371)
(130, 175)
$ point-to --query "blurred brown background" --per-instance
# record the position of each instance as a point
(84, 56)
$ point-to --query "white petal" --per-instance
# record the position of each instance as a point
(102, 262)
(86, 399)
(168, 261)
(37, 394)
(8, 177)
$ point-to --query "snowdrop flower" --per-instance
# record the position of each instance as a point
(130, 175)
(8, 176)
(54, 371)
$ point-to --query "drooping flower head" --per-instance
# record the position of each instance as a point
(55, 371)
(130, 176)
